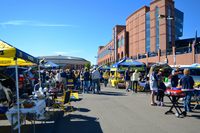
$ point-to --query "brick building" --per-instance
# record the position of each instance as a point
(150, 35)
(116, 49)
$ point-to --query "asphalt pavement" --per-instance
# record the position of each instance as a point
(114, 111)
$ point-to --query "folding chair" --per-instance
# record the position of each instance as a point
(65, 99)
(70, 84)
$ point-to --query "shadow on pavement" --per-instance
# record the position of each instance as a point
(81, 109)
(41, 126)
(76, 100)
(73, 123)
(109, 93)
(58, 123)
(196, 116)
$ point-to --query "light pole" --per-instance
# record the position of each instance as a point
(173, 47)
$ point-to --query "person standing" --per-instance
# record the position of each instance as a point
(174, 78)
(105, 77)
(81, 79)
(153, 82)
(96, 80)
(161, 88)
(63, 76)
(187, 83)
(127, 79)
(57, 76)
(134, 79)
(86, 77)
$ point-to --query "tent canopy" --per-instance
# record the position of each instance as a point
(104, 67)
(128, 62)
(50, 64)
(10, 62)
(8, 53)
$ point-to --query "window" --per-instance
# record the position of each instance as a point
(157, 29)
(147, 32)
(169, 29)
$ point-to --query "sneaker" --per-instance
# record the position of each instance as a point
(162, 104)
(153, 104)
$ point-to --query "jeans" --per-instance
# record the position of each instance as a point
(86, 86)
(134, 85)
(96, 84)
(187, 100)
(105, 82)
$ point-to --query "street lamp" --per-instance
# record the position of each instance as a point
(174, 53)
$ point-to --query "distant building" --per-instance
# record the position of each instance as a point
(151, 34)
(66, 61)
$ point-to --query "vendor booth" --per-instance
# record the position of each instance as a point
(11, 56)
(104, 67)
(117, 70)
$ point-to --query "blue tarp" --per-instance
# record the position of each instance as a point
(126, 62)
(50, 64)
(104, 67)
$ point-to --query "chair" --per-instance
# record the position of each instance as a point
(196, 99)
(70, 84)
(65, 99)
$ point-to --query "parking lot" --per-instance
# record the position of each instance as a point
(115, 110)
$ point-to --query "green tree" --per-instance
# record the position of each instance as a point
(88, 65)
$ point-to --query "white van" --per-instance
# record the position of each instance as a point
(194, 72)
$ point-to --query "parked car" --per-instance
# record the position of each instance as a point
(194, 72)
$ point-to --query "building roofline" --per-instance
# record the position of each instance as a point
(158, 1)
(120, 25)
(154, 1)
(136, 11)
(63, 57)
(122, 31)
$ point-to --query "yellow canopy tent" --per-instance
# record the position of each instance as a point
(10, 56)
(10, 62)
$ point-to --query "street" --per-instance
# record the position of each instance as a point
(116, 111)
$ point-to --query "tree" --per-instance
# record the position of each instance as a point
(88, 65)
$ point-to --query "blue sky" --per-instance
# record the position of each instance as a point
(74, 27)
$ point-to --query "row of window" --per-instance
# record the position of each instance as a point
(104, 53)
(120, 42)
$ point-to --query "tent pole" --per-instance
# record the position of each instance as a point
(17, 90)
(40, 81)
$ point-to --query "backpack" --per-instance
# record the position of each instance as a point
(147, 87)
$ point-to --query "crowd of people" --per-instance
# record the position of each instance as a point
(88, 81)
(85, 80)
(157, 86)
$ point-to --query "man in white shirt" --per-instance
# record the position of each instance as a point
(134, 79)
(95, 80)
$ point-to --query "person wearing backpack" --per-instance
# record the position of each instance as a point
(161, 88)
